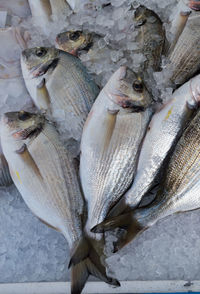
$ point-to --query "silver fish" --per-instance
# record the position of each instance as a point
(179, 190)
(57, 81)
(44, 174)
(111, 141)
(163, 132)
(184, 56)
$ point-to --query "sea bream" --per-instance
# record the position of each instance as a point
(179, 188)
(59, 83)
(44, 173)
(150, 40)
(163, 132)
(111, 142)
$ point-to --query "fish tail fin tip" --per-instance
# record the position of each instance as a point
(84, 262)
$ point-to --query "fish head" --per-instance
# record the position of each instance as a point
(144, 15)
(74, 41)
(127, 89)
(37, 61)
(21, 125)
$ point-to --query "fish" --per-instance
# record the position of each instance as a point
(74, 41)
(150, 37)
(179, 188)
(164, 129)
(111, 142)
(183, 57)
(59, 83)
(195, 5)
(43, 172)
(150, 40)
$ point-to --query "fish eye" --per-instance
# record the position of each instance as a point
(23, 115)
(41, 52)
(138, 86)
(74, 35)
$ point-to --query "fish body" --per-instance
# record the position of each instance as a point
(44, 174)
(5, 177)
(67, 89)
(74, 41)
(184, 57)
(111, 141)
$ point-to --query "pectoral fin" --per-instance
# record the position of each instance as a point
(28, 160)
(109, 127)
(43, 99)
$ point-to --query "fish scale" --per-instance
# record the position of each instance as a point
(184, 58)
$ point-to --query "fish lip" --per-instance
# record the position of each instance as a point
(40, 70)
(195, 5)
(127, 103)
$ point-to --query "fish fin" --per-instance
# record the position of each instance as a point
(22, 149)
(47, 224)
(111, 121)
(118, 208)
(85, 264)
(5, 177)
(80, 252)
(43, 99)
(121, 221)
(180, 25)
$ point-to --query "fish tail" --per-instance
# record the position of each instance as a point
(125, 221)
(85, 261)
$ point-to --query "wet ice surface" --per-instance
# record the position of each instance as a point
(29, 250)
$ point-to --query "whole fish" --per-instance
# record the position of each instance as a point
(150, 40)
(74, 41)
(44, 174)
(163, 132)
(57, 81)
(184, 56)
(150, 36)
(111, 141)
(179, 190)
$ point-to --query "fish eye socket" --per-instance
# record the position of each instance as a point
(23, 115)
(138, 86)
(74, 36)
(41, 52)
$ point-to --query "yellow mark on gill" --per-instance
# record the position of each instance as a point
(17, 173)
(169, 113)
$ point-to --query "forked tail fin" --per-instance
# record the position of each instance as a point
(125, 221)
(85, 261)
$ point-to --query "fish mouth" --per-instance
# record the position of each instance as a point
(41, 69)
(195, 5)
(23, 134)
